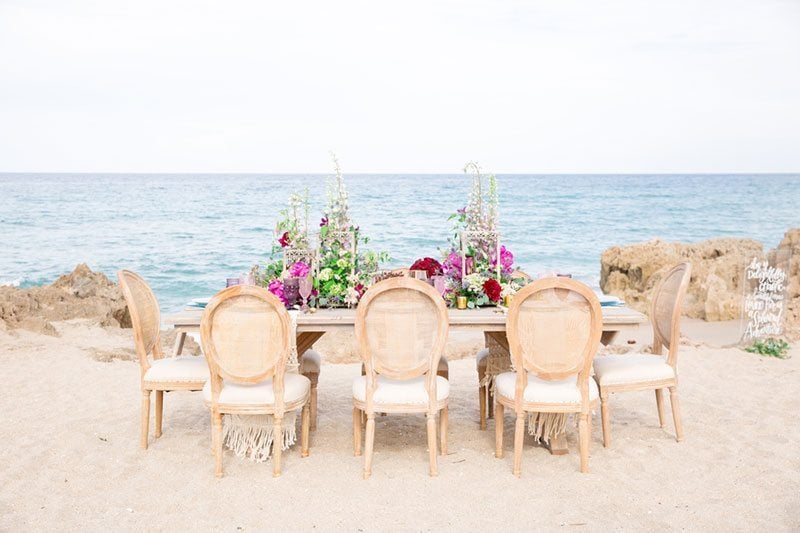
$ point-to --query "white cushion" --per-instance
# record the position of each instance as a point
(635, 368)
(295, 387)
(406, 392)
(480, 358)
(310, 362)
(181, 368)
(542, 391)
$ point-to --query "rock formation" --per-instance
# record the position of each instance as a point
(79, 294)
(716, 288)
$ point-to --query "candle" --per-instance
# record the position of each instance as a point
(461, 302)
(507, 300)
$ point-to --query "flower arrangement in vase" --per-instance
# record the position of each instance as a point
(475, 264)
(344, 270)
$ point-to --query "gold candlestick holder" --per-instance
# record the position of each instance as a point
(461, 302)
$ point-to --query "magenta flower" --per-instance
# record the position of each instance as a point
(323, 222)
(506, 260)
(299, 270)
(284, 240)
(276, 288)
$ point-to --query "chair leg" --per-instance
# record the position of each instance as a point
(482, 405)
(606, 420)
(676, 413)
(489, 401)
(585, 436)
(519, 434)
(660, 405)
(369, 441)
(277, 446)
(216, 440)
(305, 429)
(498, 430)
(432, 443)
(145, 418)
(356, 431)
(443, 421)
(159, 411)
(313, 407)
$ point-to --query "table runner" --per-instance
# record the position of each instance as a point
(252, 435)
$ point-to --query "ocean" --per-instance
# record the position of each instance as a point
(186, 233)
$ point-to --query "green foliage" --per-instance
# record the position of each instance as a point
(772, 347)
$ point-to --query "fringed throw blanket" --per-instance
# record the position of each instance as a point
(252, 435)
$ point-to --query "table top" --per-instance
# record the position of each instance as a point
(486, 318)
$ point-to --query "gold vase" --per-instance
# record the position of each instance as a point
(461, 302)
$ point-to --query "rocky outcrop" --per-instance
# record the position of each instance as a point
(716, 288)
(79, 294)
(787, 256)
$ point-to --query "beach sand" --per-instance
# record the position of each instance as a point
(71, 456)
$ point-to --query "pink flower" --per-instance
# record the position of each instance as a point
(323, 222)
(506, 260)
(276, 288)
(284, 240)
(299, 270)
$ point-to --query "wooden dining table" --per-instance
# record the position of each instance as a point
(490, 320)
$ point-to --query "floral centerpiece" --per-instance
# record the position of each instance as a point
(475, 264)
(345, 271)
(291, 255)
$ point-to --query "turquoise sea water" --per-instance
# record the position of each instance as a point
(186, 233)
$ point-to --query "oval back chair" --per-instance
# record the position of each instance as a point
(553, 328)
(401, 327)
(245, 332)
(157, 373)
(635, 372)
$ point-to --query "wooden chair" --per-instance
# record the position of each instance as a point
(622, 373)
(245, 332)
(401, 327)
(158, 373)
(553, 328)
(485, 396)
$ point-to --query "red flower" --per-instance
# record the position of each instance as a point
(284, 240)
(492, 289)
(429, 265)
(323, 221)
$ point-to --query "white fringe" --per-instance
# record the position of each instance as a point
(544, 425)
(251, 435)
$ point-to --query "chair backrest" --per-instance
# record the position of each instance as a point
(401, 327)
(665, 310)
(554, 327)
(245, 333)
(145, 315)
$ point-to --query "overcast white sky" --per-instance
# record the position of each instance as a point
(413, 86)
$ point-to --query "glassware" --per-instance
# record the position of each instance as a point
(419, 274)
(440, 283)
(306, 286)
(230, 282)
(291, 291)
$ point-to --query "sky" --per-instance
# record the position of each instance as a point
(555, 86)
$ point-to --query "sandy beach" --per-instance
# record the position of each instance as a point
(71, 454)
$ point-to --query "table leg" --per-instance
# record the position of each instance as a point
(558, 445)
(608, 337)
(180, 338)
(306, 340)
